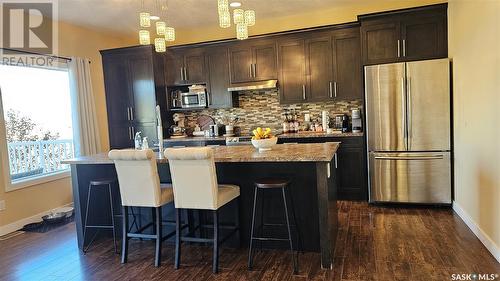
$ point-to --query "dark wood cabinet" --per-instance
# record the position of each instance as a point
(134, 82)
(291, 64)
(185, 67)
(350, 161)
(405, 35)
(252, 61)
(319, 67)
(217, 64)
(347, 69)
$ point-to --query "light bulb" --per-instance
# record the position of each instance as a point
(144, 37)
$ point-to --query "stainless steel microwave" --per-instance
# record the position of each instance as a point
(196, 99)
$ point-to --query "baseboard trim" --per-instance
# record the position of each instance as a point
(15, 226)
(480, 234)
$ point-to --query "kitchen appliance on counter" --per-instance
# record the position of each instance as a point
(178, 130)
(409, 132)
(197, 97)
(246, 140)
(357, 124)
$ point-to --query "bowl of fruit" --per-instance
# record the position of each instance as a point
(263, 139)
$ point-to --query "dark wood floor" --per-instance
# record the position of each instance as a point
(374, 243)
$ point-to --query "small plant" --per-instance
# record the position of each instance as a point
(259, 133)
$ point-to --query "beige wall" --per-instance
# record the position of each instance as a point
(73, 41)
(341, 12)
(474, 34)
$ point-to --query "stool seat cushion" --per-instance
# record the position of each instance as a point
(226, 193)
(272, 183)
(167, 193)
(102, 181)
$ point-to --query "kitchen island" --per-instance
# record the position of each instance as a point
(311, 168)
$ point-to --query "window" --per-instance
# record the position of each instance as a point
(36, 108)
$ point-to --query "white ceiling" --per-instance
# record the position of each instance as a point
(122, 15)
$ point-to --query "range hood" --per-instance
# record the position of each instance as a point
(260, 85)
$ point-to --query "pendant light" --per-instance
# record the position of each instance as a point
(144, 38)
(241, 31)
(161, 27)
(160, 45)
(250, 17)
(225, 19)
(170, 34)
(222, 6)
(144, 19)
(239, 16)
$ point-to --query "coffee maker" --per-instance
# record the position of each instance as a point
(357, 124)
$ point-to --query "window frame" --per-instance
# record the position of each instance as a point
(4, 156)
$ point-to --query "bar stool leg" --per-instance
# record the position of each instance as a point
(177, 238)
(215, 265)
(112, 218)
(86, 220)
(299, 238)
(158, 236)
(294, 260)
(250, 250)
(124, 232)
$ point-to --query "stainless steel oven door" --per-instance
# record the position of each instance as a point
(414, 177)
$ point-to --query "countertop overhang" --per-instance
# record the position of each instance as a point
(304, 152)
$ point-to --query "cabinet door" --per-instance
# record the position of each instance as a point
(120, 135)
(264, 59)
(351, 176)
(218, 71)
(424, 37)
(118, 93)
(240, 60)
(174, 64)
(194, 63)
(380, 42)
(347, 70)
(141, 79)
(319, 68)
(291, 65)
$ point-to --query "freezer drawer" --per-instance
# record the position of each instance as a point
(410, 177)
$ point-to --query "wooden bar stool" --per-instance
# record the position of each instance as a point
(99, 184)
(194, 180)
(267, 184)
(140, 187)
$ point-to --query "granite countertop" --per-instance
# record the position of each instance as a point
(305, 134)
(305, 152)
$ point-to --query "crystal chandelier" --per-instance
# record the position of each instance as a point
(144, 19)
(241, 18)
(144, 38)
(160, 45)
(161, 27)
(165, 33)
(170, 34)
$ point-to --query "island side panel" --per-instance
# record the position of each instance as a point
(327, 209)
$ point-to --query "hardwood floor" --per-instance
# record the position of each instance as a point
(374, 243)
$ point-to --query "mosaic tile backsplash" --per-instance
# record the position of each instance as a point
(262, 109)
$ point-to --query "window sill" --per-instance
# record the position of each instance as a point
(37, 180)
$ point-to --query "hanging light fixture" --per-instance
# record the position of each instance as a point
(222, 6)
(145, 19)
(160, 45)
(250, 17)
(239, 16)
(241, 31)
(225, 19)
(161, 27)
(170, 34)
(144, 37)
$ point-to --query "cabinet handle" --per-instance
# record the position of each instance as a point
(185, 74)
(251, 72)
(129, 133)
(399, 49)
(335, 89)
(133, 132)
(254, 70)
(336, 161)
(128, 113)
(304, 92)
(131, 114)
(404, 48)
(331, 90)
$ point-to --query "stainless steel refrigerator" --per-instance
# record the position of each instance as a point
(409, 131)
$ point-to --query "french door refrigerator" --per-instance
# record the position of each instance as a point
(409, 132)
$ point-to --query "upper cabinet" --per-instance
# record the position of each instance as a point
(253, 60)
(217, 64)
(411, 34)
(320, 66)
(185, 66)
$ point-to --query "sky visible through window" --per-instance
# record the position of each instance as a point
(40, 94)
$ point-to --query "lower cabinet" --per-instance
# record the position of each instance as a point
(352, 180)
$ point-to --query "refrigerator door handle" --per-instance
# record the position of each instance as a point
(429, 157)
(409, 108)
(403, 103)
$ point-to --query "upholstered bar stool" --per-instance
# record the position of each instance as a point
(267, 184)
(140, 187)
(194, 180)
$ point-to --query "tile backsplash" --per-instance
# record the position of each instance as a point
(262, 109)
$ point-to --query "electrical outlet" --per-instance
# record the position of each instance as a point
(2, 205)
